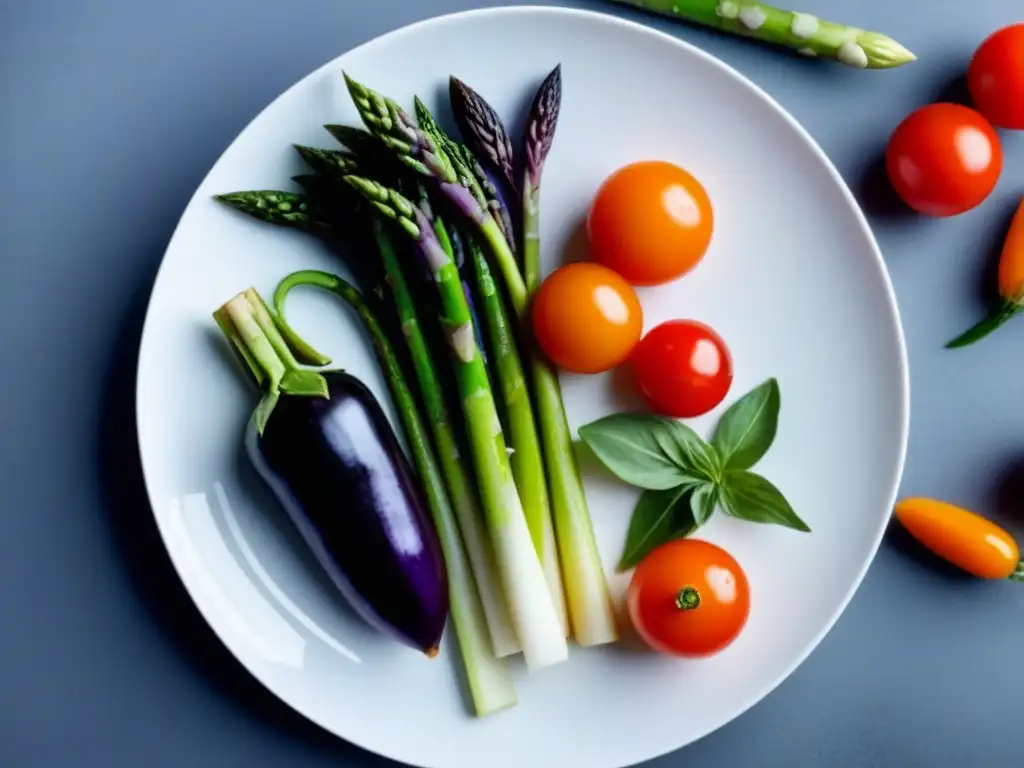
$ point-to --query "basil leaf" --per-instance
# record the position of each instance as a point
(659, 516)
(650, 451)
(703, 501)
(688, 449)
(746, 431)
(750, 497)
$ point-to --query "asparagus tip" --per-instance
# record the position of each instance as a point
(883, 52)
(356, 89)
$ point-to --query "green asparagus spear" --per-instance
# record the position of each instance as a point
(359, 142)
(332, 163)
(276, 207)
(490, 683)
(590, 608)
(527, 462)
(801, 31)
(533, 614)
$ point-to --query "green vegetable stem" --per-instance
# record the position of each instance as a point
(685, 478)
(802, 32)
(490, 682)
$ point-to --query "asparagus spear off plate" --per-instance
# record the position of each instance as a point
(803, 32)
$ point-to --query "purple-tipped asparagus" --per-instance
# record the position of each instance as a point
(472, 175)
(540, 134)
(482, 128)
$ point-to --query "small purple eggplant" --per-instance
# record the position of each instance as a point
(323, 444)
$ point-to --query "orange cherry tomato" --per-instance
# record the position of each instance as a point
(651, 222)
(944, 159)
(689, 598)
(963, 538)
(586, 318)
(995, 77)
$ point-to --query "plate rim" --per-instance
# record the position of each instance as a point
(631, 25)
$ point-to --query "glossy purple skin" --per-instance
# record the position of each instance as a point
(337, 467)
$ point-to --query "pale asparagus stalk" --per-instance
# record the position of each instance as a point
(586, 589)
(803, 32)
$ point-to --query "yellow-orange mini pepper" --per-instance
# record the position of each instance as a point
(963, 538)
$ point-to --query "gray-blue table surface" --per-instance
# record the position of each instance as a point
(111, 112)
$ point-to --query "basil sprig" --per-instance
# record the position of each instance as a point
(685, 478)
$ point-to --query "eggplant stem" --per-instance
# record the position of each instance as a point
(254, 333)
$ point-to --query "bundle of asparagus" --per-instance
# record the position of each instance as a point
(429, 205)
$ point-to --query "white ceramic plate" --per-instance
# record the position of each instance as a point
(793, 281)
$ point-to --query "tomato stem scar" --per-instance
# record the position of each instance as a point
(688, 598)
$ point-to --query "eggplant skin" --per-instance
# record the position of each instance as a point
(340, 472)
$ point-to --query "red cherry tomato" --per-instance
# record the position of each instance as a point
(586, 318)
(944, 159)
(651, 222)
(689, 598)
(996, 77)
(682, 368)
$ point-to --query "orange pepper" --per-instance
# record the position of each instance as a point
(963, 538)
(1011, 284)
